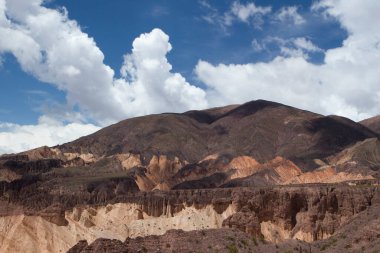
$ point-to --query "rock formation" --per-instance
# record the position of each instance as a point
(262, 170)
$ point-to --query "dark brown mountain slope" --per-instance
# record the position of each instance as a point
(260, 129)
(263, 142)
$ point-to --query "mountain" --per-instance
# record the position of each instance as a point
(147, 175)
(260, 129)
(372, 123)
(260, 141)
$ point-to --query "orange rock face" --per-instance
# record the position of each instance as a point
(243, 166)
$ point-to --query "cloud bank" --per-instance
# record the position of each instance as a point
(15, 138)
(346, 83)
(51, 47)
(54, 49)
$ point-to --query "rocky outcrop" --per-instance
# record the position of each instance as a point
(114, 221)
(365, 153)
(31, 166)
(305, 213)
(54, 214)
(274, 172)
(82, 245)
(8, 175)
(221, 240)
(359, 234)
(274, 214)
(331, 175)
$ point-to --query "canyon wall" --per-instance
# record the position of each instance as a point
(276, 214)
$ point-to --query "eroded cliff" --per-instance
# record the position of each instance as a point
(274, 214)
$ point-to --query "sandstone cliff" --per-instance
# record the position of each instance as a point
(274, 214)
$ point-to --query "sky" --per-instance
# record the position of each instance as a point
(69, 68)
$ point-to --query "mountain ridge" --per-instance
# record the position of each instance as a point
(148, 127)
(213, 169)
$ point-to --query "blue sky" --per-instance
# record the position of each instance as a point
(115, 24)
(61, 61)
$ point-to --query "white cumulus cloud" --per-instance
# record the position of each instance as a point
(15, 138)
(54, 49)
(249, 13)
(149, 86)
(289, 14)
(346, 83)
(249, 10)
(306, 44)
(299, 46)
(51, 47)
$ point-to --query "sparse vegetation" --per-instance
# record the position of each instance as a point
(262, 239)
(329, 244)
(230, 238)
(232, 248)
(254, 241)
(348, 246)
